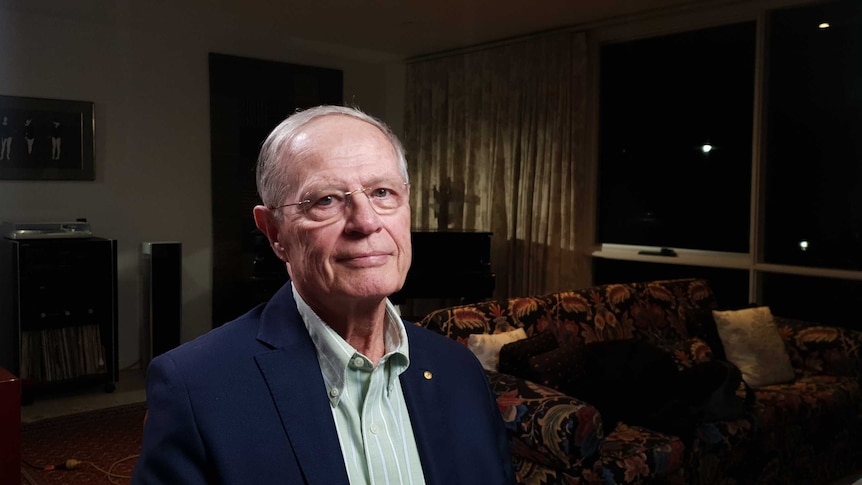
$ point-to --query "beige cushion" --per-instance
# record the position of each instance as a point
(487, 347)
(751, 341)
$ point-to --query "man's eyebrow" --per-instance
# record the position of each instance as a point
(345, 186)
(320, 185)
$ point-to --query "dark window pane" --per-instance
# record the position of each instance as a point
(729, 285)
(814, 137)
(662, 101)
(821, 300)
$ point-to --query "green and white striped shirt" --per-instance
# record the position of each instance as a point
(367, 402)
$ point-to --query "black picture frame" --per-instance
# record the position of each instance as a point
(55, 144)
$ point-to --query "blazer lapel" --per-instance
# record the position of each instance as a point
(293, 375)
(420, 384)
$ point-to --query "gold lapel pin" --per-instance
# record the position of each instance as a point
(428, 375)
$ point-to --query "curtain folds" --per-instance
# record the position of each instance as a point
(496, 142)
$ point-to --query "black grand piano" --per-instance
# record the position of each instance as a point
(449, 264)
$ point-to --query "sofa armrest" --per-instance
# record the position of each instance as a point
(822, 349)
(545, 425)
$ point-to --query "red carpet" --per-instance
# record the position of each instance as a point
(100, 438)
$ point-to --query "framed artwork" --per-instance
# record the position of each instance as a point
(46, 139)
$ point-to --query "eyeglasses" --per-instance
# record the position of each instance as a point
(323, 205)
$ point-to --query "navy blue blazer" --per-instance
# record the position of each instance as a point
(246, 403)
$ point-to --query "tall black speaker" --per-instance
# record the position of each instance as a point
(163, 306)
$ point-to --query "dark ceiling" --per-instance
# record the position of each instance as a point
(407, 28)
(389, 28)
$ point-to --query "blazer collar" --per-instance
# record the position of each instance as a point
(422, 391)
(280, 323)
(291, 364)
(293, 376)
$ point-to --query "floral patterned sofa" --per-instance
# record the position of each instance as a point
(804, 431)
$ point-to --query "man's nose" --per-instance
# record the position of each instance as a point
(360, 213)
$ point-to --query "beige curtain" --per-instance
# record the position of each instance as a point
(496, 142)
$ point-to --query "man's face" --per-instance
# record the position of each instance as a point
(360, 255)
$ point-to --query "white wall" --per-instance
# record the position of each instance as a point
(144, 65)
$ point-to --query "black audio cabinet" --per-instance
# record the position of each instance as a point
(58, 311)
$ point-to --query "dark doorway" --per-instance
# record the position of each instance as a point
(248, 98)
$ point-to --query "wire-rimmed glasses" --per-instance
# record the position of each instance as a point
(385, 197)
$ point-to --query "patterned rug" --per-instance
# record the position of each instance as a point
(105, 442)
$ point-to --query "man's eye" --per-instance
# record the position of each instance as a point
(325, 201)
(381, 192)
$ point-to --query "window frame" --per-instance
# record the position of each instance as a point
(679, 20)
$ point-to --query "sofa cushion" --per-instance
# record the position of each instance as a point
(752, 342)
(838, 401)
(515, 356)
(561, 368)
(487, 347)
(613, 374)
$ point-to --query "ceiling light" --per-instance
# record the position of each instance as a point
(823, 25)
(706, 148)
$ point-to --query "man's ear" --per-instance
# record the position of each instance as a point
(265, 220)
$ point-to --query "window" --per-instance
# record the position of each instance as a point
(788, 110)
(814, 148)
(814, 299)
(675, 140)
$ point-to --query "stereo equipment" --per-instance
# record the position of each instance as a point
(58, 310)
(45, 230)
(163, 305)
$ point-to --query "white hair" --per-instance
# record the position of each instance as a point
(274, 156)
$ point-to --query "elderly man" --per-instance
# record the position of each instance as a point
(325, 384)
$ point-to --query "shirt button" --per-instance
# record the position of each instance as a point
(334, 392)
(374, 429)
(358, 361)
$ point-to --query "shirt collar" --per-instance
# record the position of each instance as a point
(334, 354)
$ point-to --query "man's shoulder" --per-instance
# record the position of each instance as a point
(223, 340)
